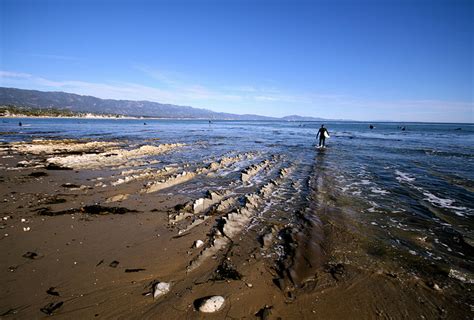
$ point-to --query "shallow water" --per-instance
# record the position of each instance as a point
(415, 187)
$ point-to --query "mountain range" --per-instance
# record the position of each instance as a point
(88, 104)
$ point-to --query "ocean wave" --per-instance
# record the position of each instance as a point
(403, 177)
(445, 153)
(461, 276)
(444, 203)
(379, 191)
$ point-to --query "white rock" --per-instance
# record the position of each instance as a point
(198, 243)
(118, 197)
(456, 274)
(212, 304)
(161, 288)
(26, 229)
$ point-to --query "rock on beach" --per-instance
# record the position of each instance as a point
(161, 288)
(212, 304)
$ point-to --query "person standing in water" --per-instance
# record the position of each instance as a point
(322, 136)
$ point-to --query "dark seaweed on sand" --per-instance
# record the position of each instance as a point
(114, 264)
(52, 292)
(134, 270)
(51, 307)
(30, 255)
(92, 209)
(226, 271)
(52, 166)
(38, 174)
(98, 209)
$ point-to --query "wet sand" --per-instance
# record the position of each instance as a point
(89, 228)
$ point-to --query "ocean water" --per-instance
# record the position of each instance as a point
(414, 187)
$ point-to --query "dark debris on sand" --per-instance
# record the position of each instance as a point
(94, 209)
(226, 271)
(335, 270)
(52, 166)
(134, 270)
(38, 174)
(264, 313)
(98, 209)
(52, 292)
(114, 264)
(51, 307)
(30, 255)
(69, 185)
(46, 211)
(55, 200)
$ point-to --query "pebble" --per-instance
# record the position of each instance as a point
(198, 243)
(212, 304)
(26, 228)
(161, 288)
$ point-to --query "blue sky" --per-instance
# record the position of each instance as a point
(360, 60)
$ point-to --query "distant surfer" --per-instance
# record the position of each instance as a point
(371, 127)
(322, 134)
(20, 124)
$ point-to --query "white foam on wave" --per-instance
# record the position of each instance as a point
(443, 203)
(379, 191)
(433, 199)
(403, 177)
(461, 276)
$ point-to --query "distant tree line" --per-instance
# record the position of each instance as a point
(14, 110)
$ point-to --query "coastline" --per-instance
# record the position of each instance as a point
(126, 118)
(91, 116)
(121, 117)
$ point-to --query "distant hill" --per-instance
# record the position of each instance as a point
(301, 118)
(88, 104)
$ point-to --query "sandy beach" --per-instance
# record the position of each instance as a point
(89, 229)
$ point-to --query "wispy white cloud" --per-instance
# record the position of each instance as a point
(17, 75)
(266, 98)
(175, 90)
(243, 88)
(252, 99)
(184, 85)
(165, 77)
(102, 90)
(54, 57)
(195, 95)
